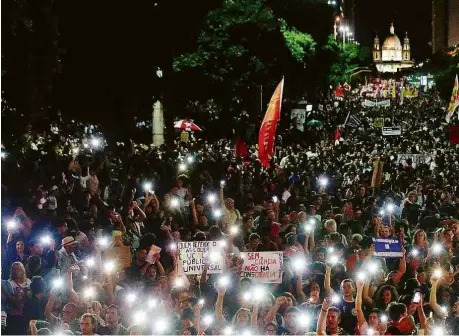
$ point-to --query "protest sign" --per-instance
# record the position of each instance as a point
(392, 130)
(122, 254)
(416, 158)
(193, 256)
(263, 266)
(378, 122)
(383, 103)
(387, 247)
(377, 173)
(298, 117)
(153, 254)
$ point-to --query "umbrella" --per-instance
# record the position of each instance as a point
(314, 123)
(187, 125)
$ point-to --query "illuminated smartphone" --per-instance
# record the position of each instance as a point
(416, 297)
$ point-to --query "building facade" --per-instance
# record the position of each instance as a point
(445, 24)
(392, 55)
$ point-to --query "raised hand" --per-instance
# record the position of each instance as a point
(326, 304)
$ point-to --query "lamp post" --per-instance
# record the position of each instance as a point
(158, 118)
(335, 26)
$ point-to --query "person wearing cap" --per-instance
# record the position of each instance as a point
(66, 255)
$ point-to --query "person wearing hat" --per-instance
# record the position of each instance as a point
(66, 255)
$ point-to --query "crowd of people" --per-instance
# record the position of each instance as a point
(92, 234)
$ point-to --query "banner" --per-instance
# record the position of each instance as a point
(454, 101)
(392, 130)
(416, 158)
(193, 256)
(267, 135)
(298, 117)
(387, 247)
(378, 166)
(382, 103)
(262, 266)
(378, 122)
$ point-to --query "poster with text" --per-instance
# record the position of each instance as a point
(262, 266)
(193, 256)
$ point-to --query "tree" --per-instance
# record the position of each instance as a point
(242, 46)
(345, 58)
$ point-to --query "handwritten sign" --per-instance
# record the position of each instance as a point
(193, 256)
(387, 247)
(416, 158)
(263, 266)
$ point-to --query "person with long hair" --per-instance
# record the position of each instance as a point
(420, 243)
(16, 292)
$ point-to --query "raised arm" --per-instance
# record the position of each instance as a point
(276, 211)
(327, 286)
(219, 304)
(72, 295)
(197, 315)
(194, 213)
(368, 301)
(321, 322)
(312, 246)
(358, 304)
(110, 289)
(49, 307)
(33, 327)
(221, 196)
(254, 317)
(299, 287)
(306, 243)
(203, 279)
(421, 314)
(272, 313)
(160, 268)
(433, 298)
(401, 269)
(155, 202)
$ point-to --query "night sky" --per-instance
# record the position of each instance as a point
(414, 16)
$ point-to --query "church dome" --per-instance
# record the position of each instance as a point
(392, 43)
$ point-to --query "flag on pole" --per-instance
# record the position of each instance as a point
(336, 136)
(267, 135)
(454, 102)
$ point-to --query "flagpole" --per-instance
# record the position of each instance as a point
(261, 98)
(345, 122)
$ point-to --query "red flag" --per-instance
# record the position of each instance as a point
(241, 148)
(336, 136)
(267, 135)
(339, 92)
(454, 134)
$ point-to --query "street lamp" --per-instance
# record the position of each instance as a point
(335, 26)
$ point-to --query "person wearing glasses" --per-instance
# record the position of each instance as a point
(68, 317)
